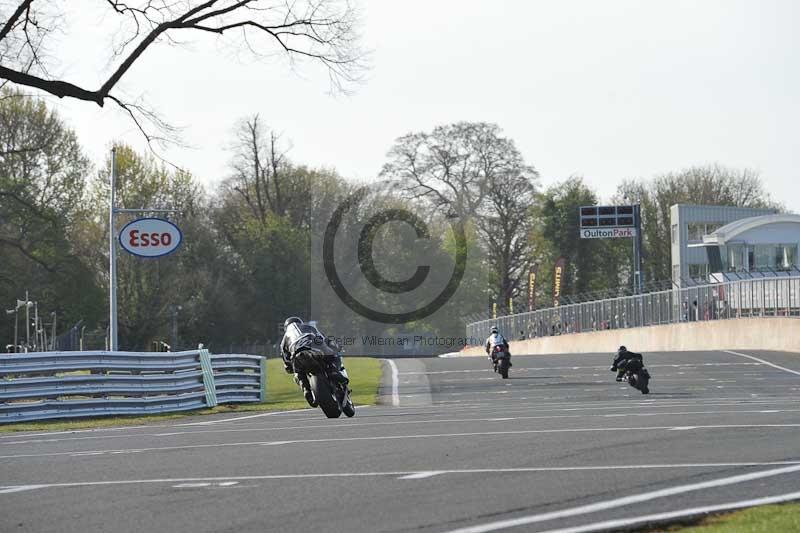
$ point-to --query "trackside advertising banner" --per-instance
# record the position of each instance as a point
(532, 287)
(558, 280)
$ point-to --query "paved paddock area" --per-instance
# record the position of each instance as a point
(558, 447)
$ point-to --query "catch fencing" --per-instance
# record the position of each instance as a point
(50, 385)
(761, 297)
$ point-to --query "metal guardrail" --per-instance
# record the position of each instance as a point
(239, 378)
(759, 297)
(50, 385)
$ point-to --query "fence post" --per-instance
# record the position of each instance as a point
(263, 392)
(208, 378)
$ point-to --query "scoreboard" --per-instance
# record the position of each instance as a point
(607, 216)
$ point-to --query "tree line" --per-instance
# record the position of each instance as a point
(245, 263)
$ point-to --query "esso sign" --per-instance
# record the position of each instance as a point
(150, 237)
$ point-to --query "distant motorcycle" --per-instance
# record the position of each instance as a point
(501, 361)
(332, 396)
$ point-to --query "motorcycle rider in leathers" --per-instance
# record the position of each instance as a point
(625, 361)
(496, 339)
(298, 336)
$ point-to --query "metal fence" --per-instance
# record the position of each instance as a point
(48, 385)
(760, 297)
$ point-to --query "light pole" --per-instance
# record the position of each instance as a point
(28, 304)
(112, 257)
(637, 248)
(16, 324)
(53, 335)
(175, 309)
(37, 334)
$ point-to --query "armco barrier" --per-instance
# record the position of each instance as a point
(239, 378)
(49, 385)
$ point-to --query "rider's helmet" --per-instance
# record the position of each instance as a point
(622, 349)
(292, 320)
(494, 329)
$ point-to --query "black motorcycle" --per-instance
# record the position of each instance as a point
(635, 374)
(330, 394)
(501, 361)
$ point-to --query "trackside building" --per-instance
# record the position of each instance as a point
(766, 244)
(691, 223)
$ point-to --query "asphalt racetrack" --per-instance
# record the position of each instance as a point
(558, 447)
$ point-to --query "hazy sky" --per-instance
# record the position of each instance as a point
(608, 90)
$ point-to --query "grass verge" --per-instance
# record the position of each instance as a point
(763, 519)
(282, 395)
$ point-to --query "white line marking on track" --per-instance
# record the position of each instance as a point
(19, 488)
(191, 485)
(408, 437)
(610, 525)
(422, 475)
(551, 368)
(627, 500)
(237, 418)
(395, 383)
(81, 454)
(208, 480)
(764, 362)
(418, 422)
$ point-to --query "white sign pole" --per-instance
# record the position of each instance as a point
(112, 255)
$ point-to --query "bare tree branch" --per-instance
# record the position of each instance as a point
(323, 31)
(17, 245)
(9, 25)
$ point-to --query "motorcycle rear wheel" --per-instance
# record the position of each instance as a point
(504, 368)
(324, 397)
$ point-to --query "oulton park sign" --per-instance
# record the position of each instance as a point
(607, 233)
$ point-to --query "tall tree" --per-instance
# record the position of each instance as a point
(42, 179)
(591, 265)
(470, 169)
(507, 226)
(323, 31)
(264, 214)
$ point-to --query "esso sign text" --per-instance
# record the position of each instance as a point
(150, 237)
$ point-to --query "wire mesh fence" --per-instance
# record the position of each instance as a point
(761, 297)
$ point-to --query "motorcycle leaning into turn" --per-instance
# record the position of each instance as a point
(328, 386)
(630, 368)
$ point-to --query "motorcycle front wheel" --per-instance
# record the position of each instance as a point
(324, 396)
(348, 408)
